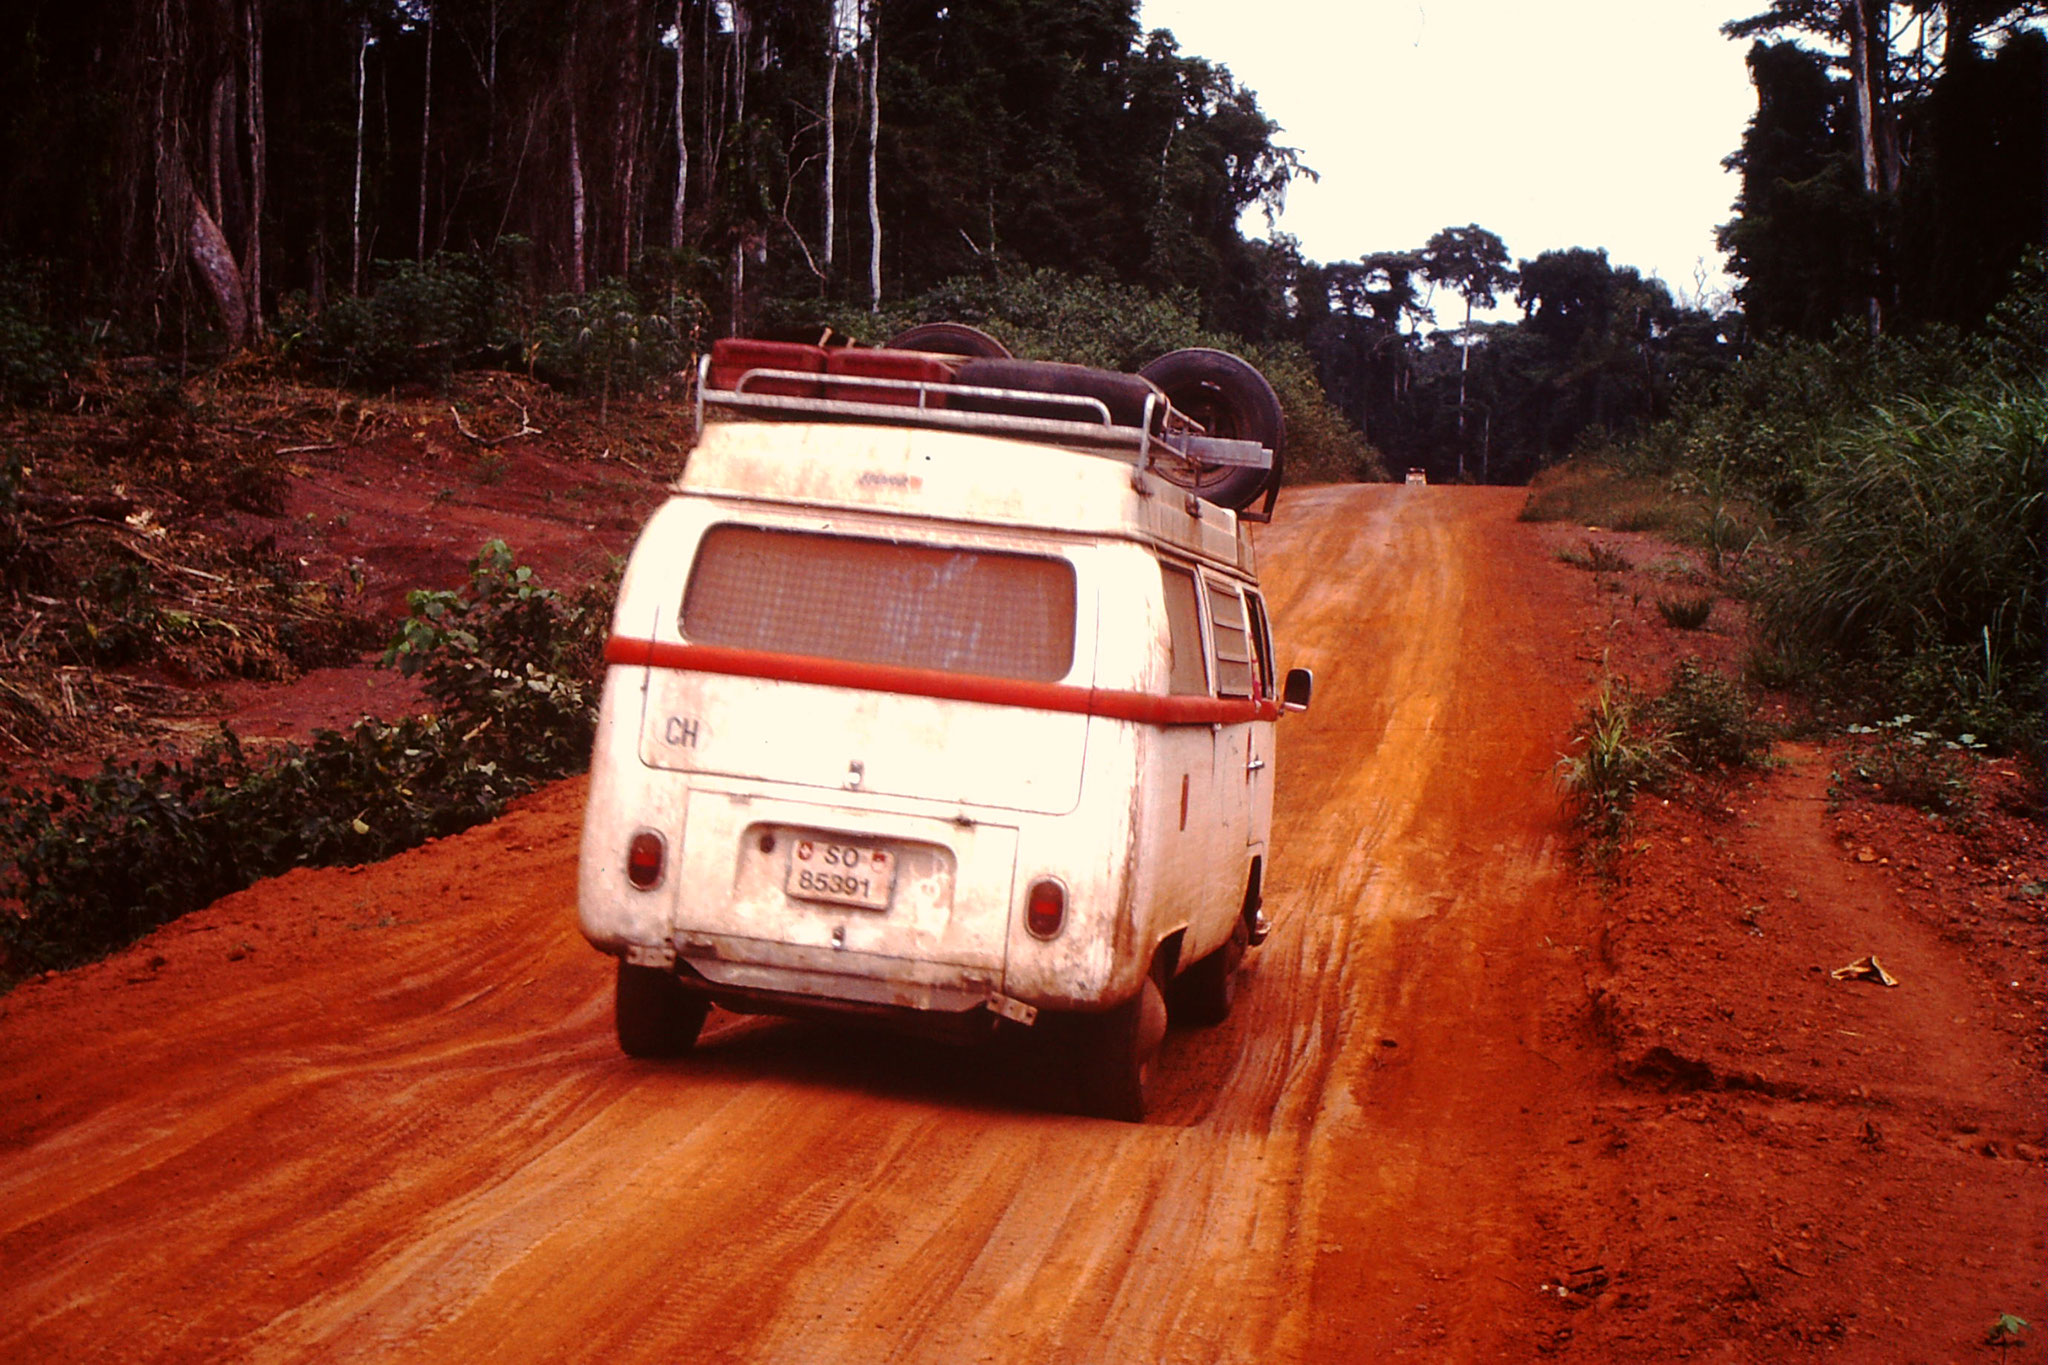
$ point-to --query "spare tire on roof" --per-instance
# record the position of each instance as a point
(1230, 398)
(1123, 394)
(949, 338)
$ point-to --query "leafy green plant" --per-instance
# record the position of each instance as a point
(608, 339)
(1918, 768)
(508, 659)
(423, 321)
(1619, 753)
(1596, 558)
(2005, 1330)
(1686, 613)
(1705, 718)
(89, 863)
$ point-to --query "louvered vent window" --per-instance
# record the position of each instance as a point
(875, 601)
(1233, 641)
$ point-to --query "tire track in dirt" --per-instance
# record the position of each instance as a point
(399, 1126)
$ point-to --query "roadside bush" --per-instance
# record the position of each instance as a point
(91, 863)
(1917, 768)
(610, 341)
(1619, 753)
(1686, 613)
(1706, 719)
(1628, 743)
(512, 662)
(422, 321)
(1922, 556)
(1595, 558)
(1884, 503)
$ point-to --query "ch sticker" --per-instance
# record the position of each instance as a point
(681, 732)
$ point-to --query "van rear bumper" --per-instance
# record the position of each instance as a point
(762, 976)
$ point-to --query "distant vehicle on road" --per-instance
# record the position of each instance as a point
(1418, 476)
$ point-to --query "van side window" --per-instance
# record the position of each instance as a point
(1262, 644)
(1187, 673)
(941, 607)
(1233, 640)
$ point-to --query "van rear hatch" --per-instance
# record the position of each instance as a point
(859, 663)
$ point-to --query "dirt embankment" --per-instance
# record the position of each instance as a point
(1470, 1106)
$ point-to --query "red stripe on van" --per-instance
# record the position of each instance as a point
(1143, 707)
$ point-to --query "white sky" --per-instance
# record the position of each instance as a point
(1594, 123)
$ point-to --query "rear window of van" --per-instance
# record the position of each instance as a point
(958, 610)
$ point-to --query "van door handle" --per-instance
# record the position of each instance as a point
(1256, 764)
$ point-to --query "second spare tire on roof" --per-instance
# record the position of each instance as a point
(949, 338)
(1230, 398)
(1123, 394)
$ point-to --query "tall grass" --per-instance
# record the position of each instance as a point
(1923, 550)
(1883, 502)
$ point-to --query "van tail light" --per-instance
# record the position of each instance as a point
(644, 858)
(1046, 911)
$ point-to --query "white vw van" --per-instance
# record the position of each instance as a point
(940, 691)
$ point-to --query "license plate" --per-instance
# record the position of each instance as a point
(842, 873)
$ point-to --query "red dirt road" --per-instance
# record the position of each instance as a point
(369, 1113)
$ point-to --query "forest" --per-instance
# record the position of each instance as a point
(387, 185)
(378, 193)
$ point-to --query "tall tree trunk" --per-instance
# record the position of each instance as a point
(426, 137)
(253, 116)
(1868, 48)
(355, 210)
(676, 211)
(831, 144)
(1464, 362)
(576, 200)
(874, 138)
(216, 264)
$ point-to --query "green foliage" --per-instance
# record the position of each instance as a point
(510, 661)
(609, 340)
(1619, 754)
(1596, 558)
(1923, 549)
(426, 320)
(1686, 613)
(1046, 315)
(1917, 768)
(1893, 494)
(423, 321)
(1628, 743)
(1706, 719)
(34, 354)
(91, 863)
(2005, 1329)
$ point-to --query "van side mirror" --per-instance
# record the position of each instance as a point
(1294, 693)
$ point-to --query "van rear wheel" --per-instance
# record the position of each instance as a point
(1118, 1050)
(1205, 992)
(655, 1015)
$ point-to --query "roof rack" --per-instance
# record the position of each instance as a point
(1085, 423)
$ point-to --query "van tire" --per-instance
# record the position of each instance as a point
(949, 338)
(654, 1014)
(1204, 993)
(1123, 395)
(1118, 1053)
(1232, 399)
